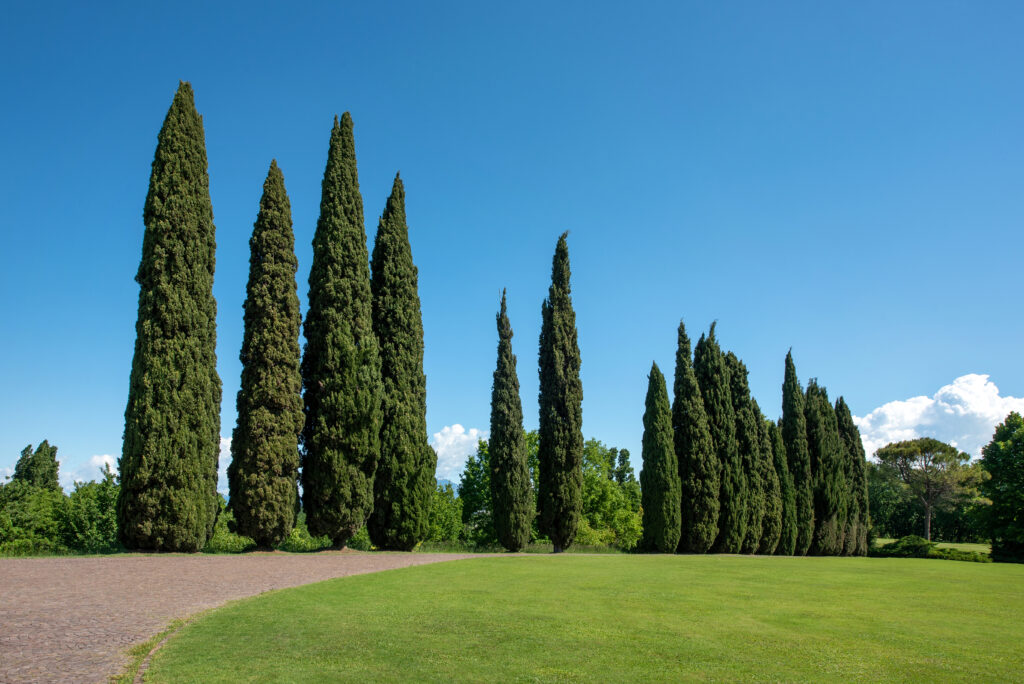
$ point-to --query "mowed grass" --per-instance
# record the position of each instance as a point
(621, 618)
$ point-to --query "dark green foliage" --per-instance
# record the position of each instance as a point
(695, 452)
(659, 479)
(265, 443)
(511, 496)
(168, 466)
(475, 495)
(88, 523)
(794, 437)
(1003, 460)
(748, 443)
(404, 483)
(712, 373)
(341, 368)
(913, 546)
(787, 492)
(623, 470)
(30, 519)
(301, 541)
(561, 409)
(38, 468)
(828, 456)
(858, 515)
(224, 538)
(771, 522)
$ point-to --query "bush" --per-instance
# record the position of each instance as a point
(299, 540)
(88, 523)
(913, 546)
(30, 519)
(223, 539)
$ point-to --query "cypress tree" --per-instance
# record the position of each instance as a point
(265, 444)
(695, 452)
(511, 498)
(341, 364)
(857, 482)
(771, 522)
(709, 365)
(787, 492)
(168, 495)
(659, 479)
(38, 468)
(794, 437)
(829, 483)
(748, 441)
(560, 444)
(404, 484)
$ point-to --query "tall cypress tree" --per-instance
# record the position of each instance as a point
(712, 373)
(748, 442)
(787, 492)
(794, 437)
(698, 462)
(771, 522)
(168, 495)
(560, 445)
(404, 483)
(857, 481)
(341, 364)
(511, 498)
(826, 449)
(38, 468)
(265, 444)
(659, 480)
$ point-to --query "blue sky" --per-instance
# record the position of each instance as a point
(846, 181)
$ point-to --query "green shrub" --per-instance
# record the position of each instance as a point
(299, 540)
(88, 523)
(913, 546)
(223, 540)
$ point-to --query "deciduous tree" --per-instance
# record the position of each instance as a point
(1003, 460)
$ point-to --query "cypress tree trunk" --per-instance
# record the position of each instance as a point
(857, 482)
(748, 441)
(695, 452)
(826, 451)
(404, 483)
(168, 495)
(771, 522)
(787, 492)
(794, 437)
(264, 466)
(341, 364)
(659, 479)
(511, 498)
(712, 373)
(560, 444)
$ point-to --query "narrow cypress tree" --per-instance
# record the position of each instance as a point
(38, 468)
(771, 522)
(712, 373)
(748, 441)
(826, 450)
(698, 462)
(794, 436)
(511, 498)
(659, 479)
(341, 364)
(404, 483)
(168, 495)
(857, 481)
(560, 444)
(787, 492)
(265, 444)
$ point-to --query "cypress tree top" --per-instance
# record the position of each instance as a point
(827, 464)
(794, 436)
(168, 495)
(659, 479)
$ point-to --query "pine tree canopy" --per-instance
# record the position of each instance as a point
(404, 483)
(265, 443)
(560, 448)
(695, 452)
(168, 496)
(794, 437)
(38, 468)
(659, 479)
(341, 363)
(511, 492)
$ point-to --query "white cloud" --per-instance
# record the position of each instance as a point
(963, 413)
(87, 471)
(453, 445)
(5, 472)
(222, 465)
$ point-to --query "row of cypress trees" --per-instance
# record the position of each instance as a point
(720, 477)
(356, 403)
(560, 434)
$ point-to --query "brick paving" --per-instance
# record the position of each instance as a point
(73, 619)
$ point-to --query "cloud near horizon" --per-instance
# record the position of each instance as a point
(963, 413)
(453, 445)
(86, 472)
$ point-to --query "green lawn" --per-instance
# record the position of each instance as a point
(621, 618)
